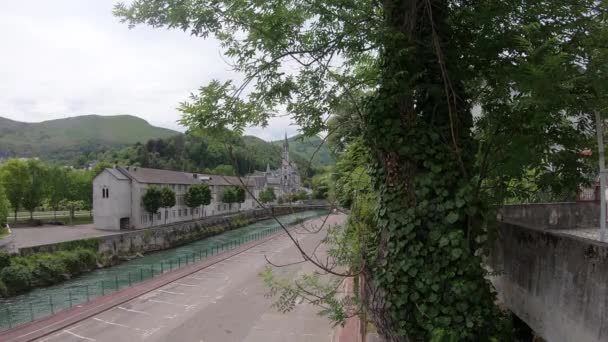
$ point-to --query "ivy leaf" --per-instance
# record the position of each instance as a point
(452, 217)
(456, 253)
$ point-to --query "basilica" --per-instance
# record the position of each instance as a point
(285, 180)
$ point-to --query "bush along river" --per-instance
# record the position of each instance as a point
(46, 301)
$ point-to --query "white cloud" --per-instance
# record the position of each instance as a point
(71, 57)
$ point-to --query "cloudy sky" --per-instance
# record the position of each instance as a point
(65, 58)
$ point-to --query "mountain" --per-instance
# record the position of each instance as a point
(70, 136)
(306, 147)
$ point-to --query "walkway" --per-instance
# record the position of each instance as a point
(223, 302)
(47, 234)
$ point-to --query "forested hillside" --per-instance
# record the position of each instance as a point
(308, 147)
(64, 139)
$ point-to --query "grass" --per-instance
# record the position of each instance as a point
(47, 213)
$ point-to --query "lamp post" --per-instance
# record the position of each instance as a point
(600, 147)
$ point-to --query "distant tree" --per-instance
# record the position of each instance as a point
(72, 206)
(168, 198)
(14, 177)
(58, 185)
(80, 188)
(223, 170)
(241, 195)
(197, 195)
(4, 204)
(267, 195)
(35, 187)
(233, 194)
(302, 195)
(152, 200)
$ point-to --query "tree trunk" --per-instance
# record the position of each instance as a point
(418, 128)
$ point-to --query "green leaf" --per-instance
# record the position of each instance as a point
(452, 217)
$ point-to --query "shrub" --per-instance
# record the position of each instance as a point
(3, 290)
(88, 259)
(48, 269)
(70, 261)
(17, 279)
(5, 260)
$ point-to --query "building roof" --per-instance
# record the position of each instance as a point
(117, 174)
(230, 180)
(157, 176)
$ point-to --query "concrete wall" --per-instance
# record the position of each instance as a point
(569, 215)
(557, 284)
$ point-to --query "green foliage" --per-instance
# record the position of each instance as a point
(20, 274)
(197, 195)
(16, 278)
(167, 197)
(14, 177)
(267, 195)
(36, 185)
(233, 194)
(47, 269)
(4, 205)
(321, 185)
(152, 199)
(5, 259)
(312, 149)
(65, 139)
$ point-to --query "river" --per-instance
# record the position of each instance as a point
(42, 302)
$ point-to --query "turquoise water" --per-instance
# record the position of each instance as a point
(45, 301)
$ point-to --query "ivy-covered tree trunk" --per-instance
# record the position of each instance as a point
(424, 281)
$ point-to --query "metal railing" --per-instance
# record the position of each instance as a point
(12, 315)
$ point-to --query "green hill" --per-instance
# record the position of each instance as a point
(69, 136)
(306, 147)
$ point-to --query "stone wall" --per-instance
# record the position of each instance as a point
(568, 215)
(170, 235)
(556, 283)
(7, 244)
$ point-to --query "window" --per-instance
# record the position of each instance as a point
(179, 212)
(173, 213)
(158, 216)
(105, 192)
(218, 207)
(166, 214)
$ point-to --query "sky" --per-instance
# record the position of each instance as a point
(65, 58)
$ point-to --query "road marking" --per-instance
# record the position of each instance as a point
(76, 335)
(171, 292)
(112, 323)
(164, 302)
(134, 311)
(182, 284)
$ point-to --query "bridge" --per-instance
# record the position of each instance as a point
(553, 270)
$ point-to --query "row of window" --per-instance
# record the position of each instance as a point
(180, 212)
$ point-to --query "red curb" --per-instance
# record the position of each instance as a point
(50, 324)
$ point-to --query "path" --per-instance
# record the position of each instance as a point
(43, 235)
(224, 302)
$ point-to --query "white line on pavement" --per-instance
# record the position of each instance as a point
(76, 335)
(134, 311)
(171, 292)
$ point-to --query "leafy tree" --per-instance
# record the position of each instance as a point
(58, 184)
(412, 71)
(267, 195)
(72, 206)
(198, 195)
(168, 198)
(4, 205)
(152, 200)
(15, 179)
(36, 186)
(233, 194)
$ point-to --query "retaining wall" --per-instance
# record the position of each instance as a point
(556, 283)
(568, 215)
(170, 235)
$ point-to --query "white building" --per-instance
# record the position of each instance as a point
(117, 197)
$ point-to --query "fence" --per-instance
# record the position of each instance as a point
(14, 315)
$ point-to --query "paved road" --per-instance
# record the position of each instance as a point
(222, 303)
(42, 235)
